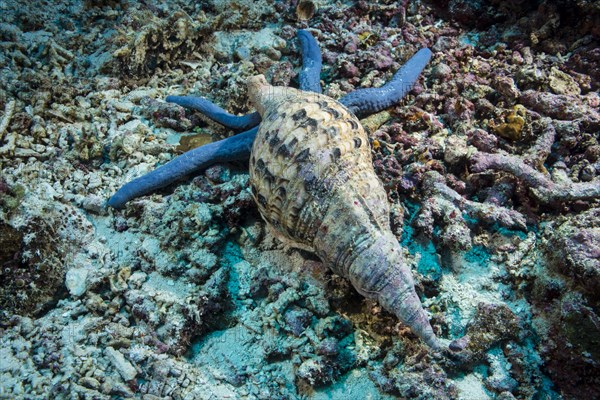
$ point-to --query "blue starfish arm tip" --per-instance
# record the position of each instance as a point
(372, 100)
(310, 74)
(230, 149)
(216, 113)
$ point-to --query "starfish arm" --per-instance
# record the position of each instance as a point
(216, 113)
(310, 74)
(372, 100)
(232, 148)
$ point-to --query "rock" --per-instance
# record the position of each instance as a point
(561, 83)
(94, 204)
(456, 150)
(297, 320)
(76, 281)
(507, 88)
(89, 382)
(441, 71)
(137, 279)
(328, 347)
(124, 367)
(315, 372)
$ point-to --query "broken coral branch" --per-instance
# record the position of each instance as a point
(540, 151)
(442, 201)
(545, 190)
(9, 109)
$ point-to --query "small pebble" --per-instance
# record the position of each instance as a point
(76, 281)
(242, 53)
(588, 173)
(441, 71)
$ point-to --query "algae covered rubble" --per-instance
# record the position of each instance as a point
(490, 165)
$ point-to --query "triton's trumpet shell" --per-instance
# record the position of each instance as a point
(312, 176)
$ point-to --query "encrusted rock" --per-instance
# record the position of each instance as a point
(76, 281)
(124, 367)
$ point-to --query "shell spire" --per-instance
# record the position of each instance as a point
(262, 95)
(312, 177)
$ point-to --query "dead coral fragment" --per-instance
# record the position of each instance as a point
(444, 203)
(86, 143)
(492, 324)
(542, 187)
(159, 44)
(10, 142)
(9, 109)
(564, 107)
(537, 154)
(512, 128)
(545, 190)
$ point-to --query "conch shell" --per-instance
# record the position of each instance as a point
(312, 177)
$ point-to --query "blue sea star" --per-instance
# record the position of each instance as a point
(238, 147)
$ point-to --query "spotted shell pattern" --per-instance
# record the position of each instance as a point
(308, 146)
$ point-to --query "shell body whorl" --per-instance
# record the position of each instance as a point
(308, 149)
(312, 177)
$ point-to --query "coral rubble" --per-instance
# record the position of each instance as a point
(491, 165)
